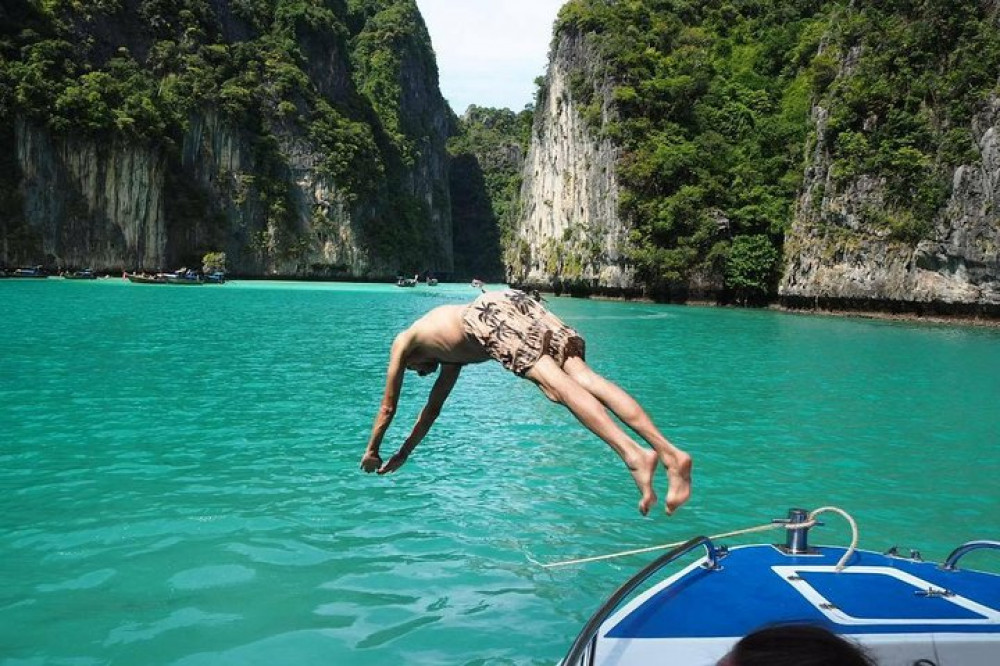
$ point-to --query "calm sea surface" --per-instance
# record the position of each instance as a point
(179, 476)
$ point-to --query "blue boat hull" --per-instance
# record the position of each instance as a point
(902, 610)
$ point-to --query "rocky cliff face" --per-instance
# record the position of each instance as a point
(835, 258)
(289, 170)
(92, 203)
(113, 205)
(568, 233)
(219, 159)
(893, 212)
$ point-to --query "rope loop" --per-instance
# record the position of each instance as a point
(810, 522)
(798, 526)
(854, 532)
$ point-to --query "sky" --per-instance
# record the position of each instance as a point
(489, 52)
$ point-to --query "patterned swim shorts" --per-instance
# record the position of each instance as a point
(516, 330)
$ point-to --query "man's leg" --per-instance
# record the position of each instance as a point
(625, 407)
(561, 388)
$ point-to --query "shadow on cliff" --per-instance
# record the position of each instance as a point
(475, 226)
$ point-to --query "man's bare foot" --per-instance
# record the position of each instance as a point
(642, 468)
(679, 476)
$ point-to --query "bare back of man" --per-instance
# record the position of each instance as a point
(442, 339)
(440, 336)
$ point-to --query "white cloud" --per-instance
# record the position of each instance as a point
(489, 52)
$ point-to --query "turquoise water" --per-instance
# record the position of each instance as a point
(180, 483)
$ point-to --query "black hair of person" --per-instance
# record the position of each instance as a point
(796, 645)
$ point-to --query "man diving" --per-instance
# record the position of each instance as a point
(513, 328)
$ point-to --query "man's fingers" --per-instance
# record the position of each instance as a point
(391, 466)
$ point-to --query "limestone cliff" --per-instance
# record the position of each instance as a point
(568, 233)
(836, 257)
(91, 204)
(300, 140)
(898, 205)
(835, 153)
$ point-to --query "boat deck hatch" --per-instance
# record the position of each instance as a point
(882, 595)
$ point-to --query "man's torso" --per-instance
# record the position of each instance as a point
(440, 335)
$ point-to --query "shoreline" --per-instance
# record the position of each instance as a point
(911, 317)
(938, 319)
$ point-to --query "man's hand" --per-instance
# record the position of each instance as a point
(395, 462)
(371, 462)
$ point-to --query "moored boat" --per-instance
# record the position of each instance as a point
(32, 272)
(902, 610)
(85, 274)
(145, 278)
(183, 278)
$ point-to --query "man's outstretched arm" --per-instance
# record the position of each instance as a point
(390, 398)
(439, 393)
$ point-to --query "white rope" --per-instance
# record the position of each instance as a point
(811, 522)
(649, 549)
(854, 532)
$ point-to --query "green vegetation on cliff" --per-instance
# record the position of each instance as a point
(335, 78)
(904, 114)
(713, 103)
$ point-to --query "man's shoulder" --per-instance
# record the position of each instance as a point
(403, 341)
